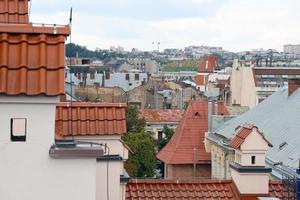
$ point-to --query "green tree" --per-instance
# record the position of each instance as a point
(168, 133)
(133, 122)
(142, 162)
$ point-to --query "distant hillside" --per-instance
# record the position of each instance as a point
(72, 50)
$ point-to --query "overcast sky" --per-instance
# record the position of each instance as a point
(233, 24)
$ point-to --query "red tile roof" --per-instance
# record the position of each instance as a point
(32, 57)
(161, 115)
(242, 134)
(188, 135)
(142, 189)
(14, 11)
(88, 119)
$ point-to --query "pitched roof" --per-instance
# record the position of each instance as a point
(161, 115)
(242, 134)
(189, 135)
(193, 189)
(32, 57)
(278, 118)
(89, 119)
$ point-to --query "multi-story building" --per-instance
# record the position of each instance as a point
(90, 76)
(292, 49)
(277, 118)
(42, 158)
(251, 85)
(157, 119)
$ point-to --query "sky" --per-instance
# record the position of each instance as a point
(235, 25)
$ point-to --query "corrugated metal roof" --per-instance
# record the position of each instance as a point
(278, 117)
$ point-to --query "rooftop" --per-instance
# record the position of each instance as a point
(242, 134)
(189, 135)
(278, 118)
(193, 189)
(161, 115)
(90, 119)
(32, 56)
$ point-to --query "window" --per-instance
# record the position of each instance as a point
(92, 75)
(160, 135)
(18, 129)
(127, 77)
(252, 160)
(136, 77)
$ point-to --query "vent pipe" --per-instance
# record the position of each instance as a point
(209, 115)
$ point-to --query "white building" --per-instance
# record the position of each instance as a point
(36, 164)
(89, 76)
(251, 85)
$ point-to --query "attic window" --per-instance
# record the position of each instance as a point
(282, 145)
(18, 129)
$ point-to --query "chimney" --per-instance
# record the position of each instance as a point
(14, 12)
(216, 107)
(294, 84)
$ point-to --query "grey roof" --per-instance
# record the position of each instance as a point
(278, 117)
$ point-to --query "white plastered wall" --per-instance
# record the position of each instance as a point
(26, 170)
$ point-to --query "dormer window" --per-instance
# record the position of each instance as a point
(253, 160)
(18, 129)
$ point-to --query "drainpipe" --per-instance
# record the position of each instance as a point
(225, 165)
(298, 183)
(194, 167)
(216, 107)
(209, 115)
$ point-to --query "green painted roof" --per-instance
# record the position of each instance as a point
(179, 68)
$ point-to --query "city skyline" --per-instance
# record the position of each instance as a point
(231, 24)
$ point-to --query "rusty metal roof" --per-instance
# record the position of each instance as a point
(88, 119)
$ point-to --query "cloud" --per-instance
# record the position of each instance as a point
(234, 24)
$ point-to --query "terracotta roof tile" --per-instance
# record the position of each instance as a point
(14, 11)
(242, 134)
(82, 119)
(31, 57)
(189, 135)
(31, 64)
(161, 115)
(170, 189)
(156, 189)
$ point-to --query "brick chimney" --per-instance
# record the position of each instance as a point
(14, 11)
(294, 84)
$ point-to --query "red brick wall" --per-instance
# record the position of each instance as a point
(294, 84)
